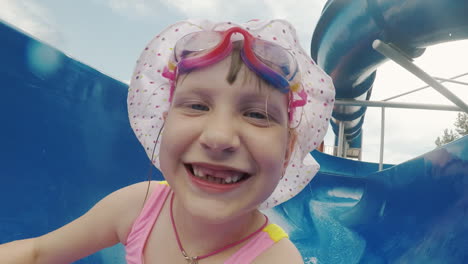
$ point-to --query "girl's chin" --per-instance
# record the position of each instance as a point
(215, 212)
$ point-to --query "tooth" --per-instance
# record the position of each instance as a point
(199, 174)
(228, 179)
(202, 173)
(235, 178)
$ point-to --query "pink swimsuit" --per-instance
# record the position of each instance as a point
(144, 223)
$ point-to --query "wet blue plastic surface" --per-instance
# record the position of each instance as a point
(415, 212)
(65, 143)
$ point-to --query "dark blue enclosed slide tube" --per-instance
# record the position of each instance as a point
(342, 44)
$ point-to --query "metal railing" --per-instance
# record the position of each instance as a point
(403, 60)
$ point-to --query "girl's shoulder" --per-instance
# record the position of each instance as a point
(131, 200)
(283, 251)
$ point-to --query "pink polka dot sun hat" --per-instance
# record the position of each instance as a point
(151, 85)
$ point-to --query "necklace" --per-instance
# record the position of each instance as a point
(194, 260)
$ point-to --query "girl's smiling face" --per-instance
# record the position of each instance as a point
(217, 133)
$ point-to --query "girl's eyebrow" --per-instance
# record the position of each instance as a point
(203, 93)
(258, 98)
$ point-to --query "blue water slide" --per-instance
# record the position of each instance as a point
(342, 44)
(65, 140)
(415, 212)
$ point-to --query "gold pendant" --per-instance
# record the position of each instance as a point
(190, 260)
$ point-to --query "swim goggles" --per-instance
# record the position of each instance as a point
(271, 62)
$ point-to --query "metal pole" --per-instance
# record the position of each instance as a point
(398, 105)
(421, 88)
(345, 149)
(450, 81)
(362, 143)
(340, 139)
(382, 138)
(397, 57)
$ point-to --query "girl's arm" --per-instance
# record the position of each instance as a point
(18, 252)
(106, 224)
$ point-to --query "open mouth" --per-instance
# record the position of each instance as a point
(225, 177)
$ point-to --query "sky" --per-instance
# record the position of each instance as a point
(110, 34)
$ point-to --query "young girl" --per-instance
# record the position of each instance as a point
(229, 114)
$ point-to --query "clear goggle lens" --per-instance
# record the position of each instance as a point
(201, 43)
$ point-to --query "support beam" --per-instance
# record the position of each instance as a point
(341, 139)
(403, 61)
(450, 81)
(422, 88)
(397, 105)
(382, 138)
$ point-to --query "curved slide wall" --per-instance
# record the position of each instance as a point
(342, 44)
(66, 143)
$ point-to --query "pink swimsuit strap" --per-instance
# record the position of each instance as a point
(144, 223)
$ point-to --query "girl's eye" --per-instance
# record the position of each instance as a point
(199, 107)
(256, 115)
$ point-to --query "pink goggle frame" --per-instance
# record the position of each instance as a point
(271, 62)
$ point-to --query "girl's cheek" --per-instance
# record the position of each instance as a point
(274, 154)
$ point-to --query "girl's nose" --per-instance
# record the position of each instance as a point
(220, 136)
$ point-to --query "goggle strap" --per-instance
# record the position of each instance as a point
(171, 76)
(270, 76)
(210, 58)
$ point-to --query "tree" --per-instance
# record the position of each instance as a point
(461, 129)
(461, 124)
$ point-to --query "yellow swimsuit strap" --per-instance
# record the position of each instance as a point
(275, 232)
(163, 183)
